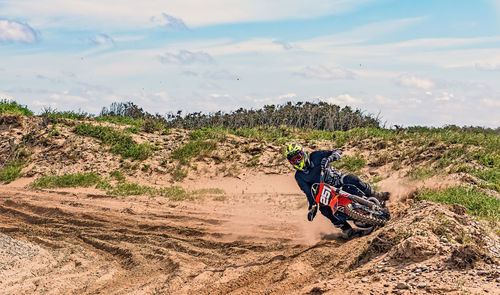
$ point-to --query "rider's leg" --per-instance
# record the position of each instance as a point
(351, 179)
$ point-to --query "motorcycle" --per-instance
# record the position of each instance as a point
(364, 212)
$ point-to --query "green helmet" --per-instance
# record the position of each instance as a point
(297, 157)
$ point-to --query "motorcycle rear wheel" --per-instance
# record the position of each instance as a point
(373, 220)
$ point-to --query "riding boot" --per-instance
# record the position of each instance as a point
(381, 196)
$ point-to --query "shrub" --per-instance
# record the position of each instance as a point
(130, 189)
(117, 175)
(422, 173)
(193, 148)
(12, 168)
(476, 202)
(11, 172)
(55, 116)
(491, 176)
(174, 193)
(120, 143)
(350, 164)
(179, 174)
(67, 180)
(12, 107)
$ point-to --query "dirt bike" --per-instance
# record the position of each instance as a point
(364, 212)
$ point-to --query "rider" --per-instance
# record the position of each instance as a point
(308, 168)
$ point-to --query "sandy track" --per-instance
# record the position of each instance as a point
(91, 243)
(256, 241)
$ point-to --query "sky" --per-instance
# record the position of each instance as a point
(426, 62)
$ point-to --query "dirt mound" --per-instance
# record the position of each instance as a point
(11, 121)
(426, 230)
(466, 256)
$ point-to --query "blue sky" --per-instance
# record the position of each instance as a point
(412, 62)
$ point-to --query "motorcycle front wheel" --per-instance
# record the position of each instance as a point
(363, 217)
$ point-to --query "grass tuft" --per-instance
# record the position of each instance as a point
(192, 149)
(55, 116)
(11, 172)
(120, 143)
(477, 203)
(350, 164)
(12, 107)
(12, 169)
(422, 173)
(67, 180)
(174, 193)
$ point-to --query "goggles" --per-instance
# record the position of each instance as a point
(296, 157)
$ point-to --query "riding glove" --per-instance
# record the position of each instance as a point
(336, 155)
(312, 212)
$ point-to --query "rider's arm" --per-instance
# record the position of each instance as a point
(330, 156)
(306, 188)
(335, 155)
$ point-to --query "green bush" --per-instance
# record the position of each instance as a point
(174, 193)
(208, 133)
(130, 189)
(121, 120)
(67, 180)
(193, 148)
(350, 164)
(179, 174)
(54, 116)
(11, 172)
(12, 168)
(12, 107)
(476, 202)
(117, 175)
(422, 173)
(491, 176)
(120, 143)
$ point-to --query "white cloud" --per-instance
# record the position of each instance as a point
(324, 73)
(285, 45)
(162, 96)
(261, 45)
(43, 103)
(133, 14)
(66, 96)
(287, 96)
(220, 75)
(7, 97)
(342, 99)
(169, 22)
(11, 31)
(488, 66)
(185, 57)
(209, 85)
(445, 96)
(492, 102)
(382, 100)
(218, 95)
(101, 40)
(412, 81)
(357, 35)
(190, 74)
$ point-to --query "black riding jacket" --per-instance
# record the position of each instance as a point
(305, 179)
